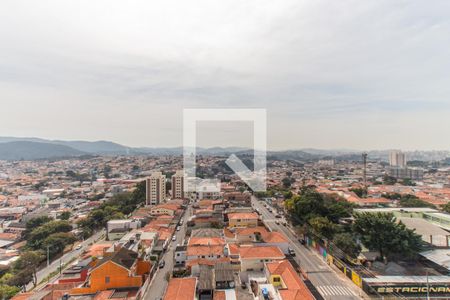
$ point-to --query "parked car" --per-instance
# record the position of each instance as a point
(291, 252)
(302, 241)
(178, 228)
(162, 264)
(78, 247)
(174, 238)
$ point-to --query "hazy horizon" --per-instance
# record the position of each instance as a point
(228, 146)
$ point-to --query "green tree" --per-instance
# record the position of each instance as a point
(413, 201)
(389, 180)
(446, 207)
(346, 243)
(38, 235)
(360, 192)
(7, 291)
(65, 215)
(34, 223)
(382, 232)
(408, 182)
(322, 227)
(286, 182)
(310, 204)
(27, 265)
(56, 242)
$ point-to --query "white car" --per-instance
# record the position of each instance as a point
(78, 247)
(174, 238)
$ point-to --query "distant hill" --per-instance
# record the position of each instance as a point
(12, 148)
(98, 147)
(25, 150)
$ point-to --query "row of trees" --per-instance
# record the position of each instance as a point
(42, 234)
(408, 200)
(116, 208)
(324, 216)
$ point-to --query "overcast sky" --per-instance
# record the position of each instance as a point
(331, 74)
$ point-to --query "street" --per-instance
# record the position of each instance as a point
(159, 281)
(326, 281)
(54, 266)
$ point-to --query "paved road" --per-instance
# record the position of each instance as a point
(159, 283)
(43, 273)
(326, 281)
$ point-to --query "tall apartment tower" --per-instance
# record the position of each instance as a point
(178, 185)
(155, 188)
(397, 159)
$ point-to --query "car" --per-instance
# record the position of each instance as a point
(178, 228)
(161, 264)
(278, 216)
(277, 222)
(78, 247)
(302, 241)
(174, 238)
(291, 252)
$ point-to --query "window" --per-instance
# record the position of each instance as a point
(107, 279)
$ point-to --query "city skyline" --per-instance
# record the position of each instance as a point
(349, 74)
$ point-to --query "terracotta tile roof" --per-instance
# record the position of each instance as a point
(228, 233)
(204, 261)
(219, 295)
(250, 252)
(205, 241)
(234, 249)
(103, 295)
(181, 289)
(295, 287)
(249, 231)
(274, 237)
(247, 216)
(205, 250)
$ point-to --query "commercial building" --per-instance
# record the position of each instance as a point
(155, 188)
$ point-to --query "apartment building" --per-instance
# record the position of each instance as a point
(397, 159)
(155, 188)
(178, 185)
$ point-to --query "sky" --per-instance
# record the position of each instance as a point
(346, 74)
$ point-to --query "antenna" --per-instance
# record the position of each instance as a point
(364, 157)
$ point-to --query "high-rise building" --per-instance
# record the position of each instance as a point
(155, 188)
(178, 185)
(397, 159)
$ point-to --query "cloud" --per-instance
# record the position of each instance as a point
(321, 64)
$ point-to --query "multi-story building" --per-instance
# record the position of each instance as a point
(411, 173)
(178, 185)
(397, 159)
(242, 220)
(155, 188)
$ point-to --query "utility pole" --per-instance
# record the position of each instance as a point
(364, 156)
(48, 256)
